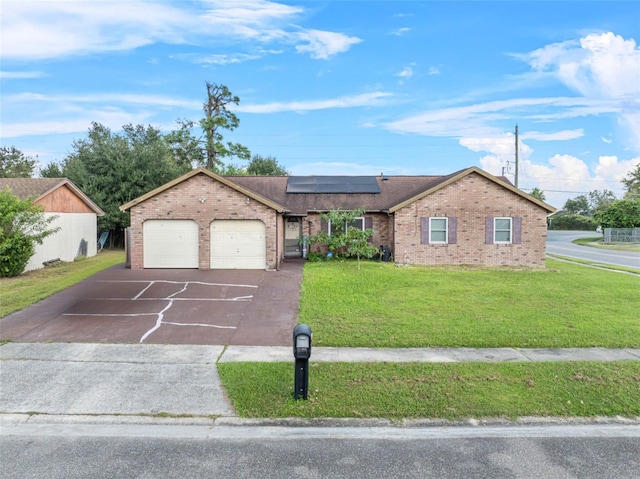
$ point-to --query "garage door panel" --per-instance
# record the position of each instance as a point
(170, 244)
(238, 244)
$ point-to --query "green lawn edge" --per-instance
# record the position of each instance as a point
(451, 391)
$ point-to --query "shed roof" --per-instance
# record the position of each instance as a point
(38, 188)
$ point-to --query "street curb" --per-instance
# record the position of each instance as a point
(292, 422)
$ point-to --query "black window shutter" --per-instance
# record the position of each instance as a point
(488, 230)
(453, 230)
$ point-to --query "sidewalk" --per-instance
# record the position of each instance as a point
(169, 384)
(428, 355)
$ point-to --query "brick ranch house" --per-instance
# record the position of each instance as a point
(207, 221)
(76, 216)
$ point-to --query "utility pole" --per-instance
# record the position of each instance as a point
(516, 155)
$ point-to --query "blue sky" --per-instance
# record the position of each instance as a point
(342, 87)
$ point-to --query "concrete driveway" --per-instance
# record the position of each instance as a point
(118, 305)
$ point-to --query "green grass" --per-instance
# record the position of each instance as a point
(447, 391)
(598, 243)
(21, 291)
(382, 305)
(595, 264)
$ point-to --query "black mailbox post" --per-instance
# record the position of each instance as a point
(301, 352)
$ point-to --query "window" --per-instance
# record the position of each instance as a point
(438, 229)
(357, 223)
(502, 230)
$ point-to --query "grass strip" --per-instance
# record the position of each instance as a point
(21, 291)
(436, 390)
(599, 243)
(382, 305)
(594, 264)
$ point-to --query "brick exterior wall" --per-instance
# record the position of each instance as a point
(221, 203)
(471, 200)
(382, 229)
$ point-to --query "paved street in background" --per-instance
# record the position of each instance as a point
(560, 243)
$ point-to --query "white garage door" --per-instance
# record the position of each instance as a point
(238, 244)
(170, 244)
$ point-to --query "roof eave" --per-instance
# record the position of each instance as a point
(279, 208)
(461, 174)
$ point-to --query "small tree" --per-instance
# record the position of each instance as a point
(22, 224)
(343, 238)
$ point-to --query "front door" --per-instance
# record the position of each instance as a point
(292, 231)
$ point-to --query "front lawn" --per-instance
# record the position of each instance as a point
(383, 305)
(432, 390)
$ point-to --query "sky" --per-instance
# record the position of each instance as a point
(342, 87)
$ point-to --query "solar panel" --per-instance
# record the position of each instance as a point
(332, 184)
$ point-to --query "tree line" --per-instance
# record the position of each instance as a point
(113, 168)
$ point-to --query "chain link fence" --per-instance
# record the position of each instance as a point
(622, 235)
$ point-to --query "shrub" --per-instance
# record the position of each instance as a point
(22, 224)
(15, 252)
(620, 214)
(570, 221)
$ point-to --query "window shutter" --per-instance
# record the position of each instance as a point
(453, 230)
(324, 226)
(424, 230)
(517, 229)
(488, 230)
(368, 225)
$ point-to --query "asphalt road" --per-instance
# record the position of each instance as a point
(588, 451)
(560, 243)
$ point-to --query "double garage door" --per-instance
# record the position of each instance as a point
(235, 244)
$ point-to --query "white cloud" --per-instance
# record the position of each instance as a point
(563, 135)
(218, 59)
(20, 75)
(598, 66)
(433, 71)
(61, 29)
(58, 114)
(400, 31)
(406, 73)
(56, 29)
(478, 119)
(101, 99)
(364, 99)
(322, 45)
(565, 176)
